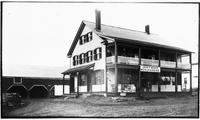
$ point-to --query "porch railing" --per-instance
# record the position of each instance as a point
(183, 65)
(135, 61)
(168, 64)
(123, 60)
(149, 62)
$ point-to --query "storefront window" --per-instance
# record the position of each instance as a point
(167, 82)
(98, 78)
(127, 80)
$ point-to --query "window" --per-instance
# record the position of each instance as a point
(89, 36)
(17, 80)
(82, 60)
(97, 54)
(83, 79)
(85, 38)
(81, 41)
(127, 76)
(90, 56)
(98, 77)
(167, 78)
(75, 60)
(85, 57)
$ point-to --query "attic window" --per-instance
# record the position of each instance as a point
(85, 38)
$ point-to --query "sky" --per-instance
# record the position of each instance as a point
(42, 33)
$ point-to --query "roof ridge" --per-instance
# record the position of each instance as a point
(120, 27)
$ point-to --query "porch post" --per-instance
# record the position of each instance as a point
(105, 71)
(78, 79)
(63, 83)
(139, 77)
(160, 71)
(116, 69)
(176, 73)
(190, 73)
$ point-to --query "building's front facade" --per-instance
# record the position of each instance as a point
(111, 60)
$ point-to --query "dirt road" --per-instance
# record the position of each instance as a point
(105, 107)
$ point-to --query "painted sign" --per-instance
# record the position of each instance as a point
(149, 68)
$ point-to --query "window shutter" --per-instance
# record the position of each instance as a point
(74, 61)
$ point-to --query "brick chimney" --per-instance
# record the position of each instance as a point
(98, 20)
(147, 29)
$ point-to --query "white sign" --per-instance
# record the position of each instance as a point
(149, 69)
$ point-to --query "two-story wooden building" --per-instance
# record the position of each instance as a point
(116, 61)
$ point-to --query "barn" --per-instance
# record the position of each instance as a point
(34, 81)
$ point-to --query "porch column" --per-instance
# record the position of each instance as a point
(176, 73)
(139, 76)
(191, 73)
(78, 79)
(105, 71)
(159, 65)
(63, 83)
(116, 69)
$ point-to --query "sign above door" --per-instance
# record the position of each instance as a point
(149, 69)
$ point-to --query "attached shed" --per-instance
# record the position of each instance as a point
(34, 81)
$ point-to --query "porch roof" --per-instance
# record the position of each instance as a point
(77, 69)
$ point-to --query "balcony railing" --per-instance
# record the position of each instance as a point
(149, 62)
(135, 61)
(183, 65)
(128, 60)
(123, 60)
(110, 59)
(168, 64)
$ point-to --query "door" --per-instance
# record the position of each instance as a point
(149, 82)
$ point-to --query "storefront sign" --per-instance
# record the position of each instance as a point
(149, 68)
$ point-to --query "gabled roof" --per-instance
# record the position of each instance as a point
(126, 35)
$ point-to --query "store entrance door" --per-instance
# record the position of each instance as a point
(149, 82)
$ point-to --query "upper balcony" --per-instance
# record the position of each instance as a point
(135, 61)
(150, 57)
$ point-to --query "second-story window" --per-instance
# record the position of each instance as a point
(75, 60)
(90, 56)
(82, 60)
(97, 54)
(81, 41)
(85, 57)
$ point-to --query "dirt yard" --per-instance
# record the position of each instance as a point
(97, 106)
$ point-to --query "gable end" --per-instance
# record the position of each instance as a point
(76, 39)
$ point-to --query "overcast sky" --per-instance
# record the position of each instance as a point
(41, 33)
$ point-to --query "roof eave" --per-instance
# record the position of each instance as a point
(81, 27)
